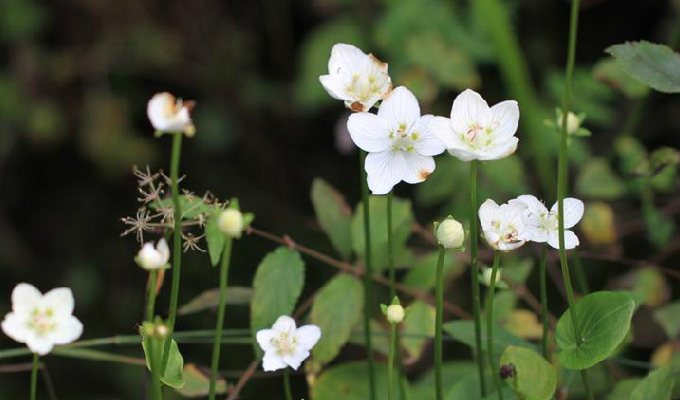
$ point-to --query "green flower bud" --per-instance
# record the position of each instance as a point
(450, 234)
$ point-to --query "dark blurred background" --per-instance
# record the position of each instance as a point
(75, 77)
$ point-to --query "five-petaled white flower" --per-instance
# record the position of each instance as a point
(355, 77)
(41, 321)
(399, 142)
(168, 114)
(541, 225)
(502, 226)
(285, 345)
(153, 258)
(477, 132)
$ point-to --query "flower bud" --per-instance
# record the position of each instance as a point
(150, 257)
(395, 313)
(162, 331)
(230, 223)
(450, 234)
(486, 276)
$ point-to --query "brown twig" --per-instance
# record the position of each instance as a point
(243, 379)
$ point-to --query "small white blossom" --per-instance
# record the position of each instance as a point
(285, 344)
(541, 225)
(502, 226)
(395, 313)
(450, 234)
(477, 132)
(153, 258)
(355, 77)
(399, 143)
(41, 321)
(168, 114)
(230, 222)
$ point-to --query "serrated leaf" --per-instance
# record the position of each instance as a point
(336, 309)
(535, 377)
(334, 216)
(418, 328)
(197, 383)
(669, 318)
(214, 238)
(658, 385)
(173, 376)
(655, 65)
(277, 285)
(604, 320)
(236, 295)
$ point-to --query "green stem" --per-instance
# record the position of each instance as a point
(581, 277)
(390, 361)
(439, 296)
(544, 304)
(286, 384)
(474, 273)
(156, 391)
(217, 342)
(34, 375)
(562, 176)
(489, 325)
(176, 243)
(151, 299)
(390, 245)
(368, 283)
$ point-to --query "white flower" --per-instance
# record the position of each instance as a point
(153, 258)
(358, 79)
(477, 132)
(395, 313)
(502, 226)
(168, 114)
(285, 345)
(398, 140)
(541, 225)
(41, 321)
(230, 222)
(450, 233)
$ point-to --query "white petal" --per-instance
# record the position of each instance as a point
(469, 108)
(504, 119)
(16, 327)
(511, 214)
(488, 212)
(427, 144)
(296, 359)
(308, 335)
(164, 251)
(573, 211)
(39, 344)
(24, 298)
(272, 362)
(67, 331)
(506, 246)
(345, 59)
(401, 107)
(441, 128)
(369, 131)
(385, 169)
(284, 324)
(464, 154)
(492, 238)
(570, 240)
(334, 87)
(533, 205)
(534, 234)
(499, 149)
(264, 339)
(60, 300)
(418, 167)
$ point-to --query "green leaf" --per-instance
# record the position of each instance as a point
(604, 319)
(402, 218)
(669, 318)
(464, 331)
(610, 71)
(623, 389)
(334, 216)
(423, 275)
(215, 239)
(453, 371)
(276, 288)
(535, 377)
(236, 295)
(173, 376)
(336, 309)
(655, 65)
(658, 385)
(349, 381)
(197, 383)
(596, 180)
(418, 328)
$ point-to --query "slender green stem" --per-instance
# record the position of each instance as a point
(368, 283)
(562, 176)
(176, 243)
(151, 299)
(390, 361)
(474, 273)
(286, 384)
(544, 304)
(390, 246)
(217, 342)
(439, 297)
(34, 375)
(156, 391)
(489, 325)
(581, 277)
